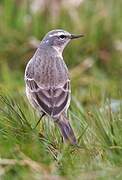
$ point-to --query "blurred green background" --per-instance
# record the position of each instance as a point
(94, 63)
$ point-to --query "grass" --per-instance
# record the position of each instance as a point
(98, 153)
(96, 110)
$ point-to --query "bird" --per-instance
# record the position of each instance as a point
(47, 81)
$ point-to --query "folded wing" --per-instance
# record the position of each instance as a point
(52, 100)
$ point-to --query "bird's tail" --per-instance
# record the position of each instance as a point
(66, 130)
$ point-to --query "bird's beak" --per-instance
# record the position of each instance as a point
(74, 36)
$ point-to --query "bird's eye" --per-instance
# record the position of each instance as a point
(62, 36)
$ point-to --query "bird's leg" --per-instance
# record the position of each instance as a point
(43, 114)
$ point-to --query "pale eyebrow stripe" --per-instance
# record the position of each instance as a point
(57, 34)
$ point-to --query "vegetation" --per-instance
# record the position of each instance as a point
(96, 108)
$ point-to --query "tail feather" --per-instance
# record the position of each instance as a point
(66, 130)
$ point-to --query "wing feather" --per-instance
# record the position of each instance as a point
(52, 100)
(48, 84)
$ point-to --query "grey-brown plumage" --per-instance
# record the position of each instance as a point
(47, 80)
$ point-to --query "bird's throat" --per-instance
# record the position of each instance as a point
(58, 50)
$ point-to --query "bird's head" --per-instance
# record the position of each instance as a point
(59, 38)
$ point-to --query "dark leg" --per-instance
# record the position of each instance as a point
(43, 114)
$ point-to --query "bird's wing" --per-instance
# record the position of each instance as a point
(53, 101)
